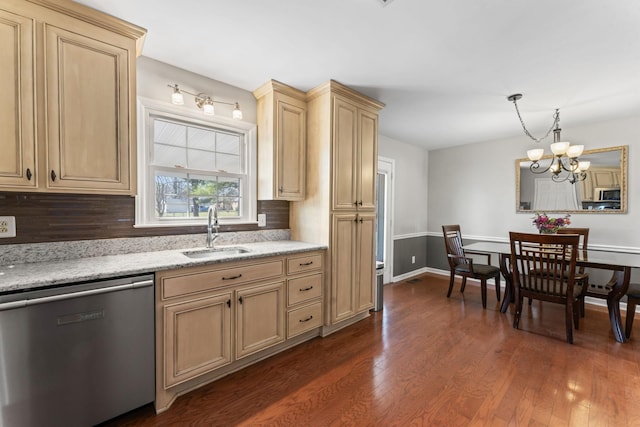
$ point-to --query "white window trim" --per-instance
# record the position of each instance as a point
(144, 210)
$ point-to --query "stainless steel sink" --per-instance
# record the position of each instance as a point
(214, 252)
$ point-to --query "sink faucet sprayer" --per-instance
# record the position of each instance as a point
(212, 223)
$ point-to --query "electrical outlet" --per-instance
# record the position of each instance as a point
(262, 220)
(413, 259)
(7, 226)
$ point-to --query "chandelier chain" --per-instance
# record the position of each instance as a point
(556, 119)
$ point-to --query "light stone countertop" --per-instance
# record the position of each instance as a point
(21, 277)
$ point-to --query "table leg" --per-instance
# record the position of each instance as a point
(623, 277)
(508, 286)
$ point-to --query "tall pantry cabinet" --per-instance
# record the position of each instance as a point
(339, 208)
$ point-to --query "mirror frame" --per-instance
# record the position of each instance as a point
(623, 183)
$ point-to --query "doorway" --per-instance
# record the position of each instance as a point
(384, 213)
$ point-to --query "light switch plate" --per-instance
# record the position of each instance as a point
(7, 226)
(262, 220)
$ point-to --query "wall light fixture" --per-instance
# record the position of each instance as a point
(203, 101)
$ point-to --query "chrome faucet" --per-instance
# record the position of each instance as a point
(212, 223)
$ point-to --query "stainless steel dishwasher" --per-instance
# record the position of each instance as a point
(76, 355)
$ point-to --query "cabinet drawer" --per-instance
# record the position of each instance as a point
(304, 319)
(304, 263)
(205, 280)
(304, 288)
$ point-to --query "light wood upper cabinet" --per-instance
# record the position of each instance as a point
(83, 112)
(355, 155)
(17, 115)
(281, 142)
(89, 145)
(598, 178)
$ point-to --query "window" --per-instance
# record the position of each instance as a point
(188, 163)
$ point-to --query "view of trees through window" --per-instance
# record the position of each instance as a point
(182, 196)
(195, 167)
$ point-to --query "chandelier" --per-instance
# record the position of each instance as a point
(565, 165)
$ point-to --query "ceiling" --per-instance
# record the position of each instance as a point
(444, 68)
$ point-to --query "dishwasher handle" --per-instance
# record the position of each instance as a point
(27, 302)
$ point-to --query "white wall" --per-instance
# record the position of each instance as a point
(410, 185)
(474, 185)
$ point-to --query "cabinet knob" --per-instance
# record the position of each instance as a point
(53, 175)
(229, 303)
(306, 320)
(29, 175)
(306, 289)
(231, 277)
(240, 300)
(361, 220)
(360, 203)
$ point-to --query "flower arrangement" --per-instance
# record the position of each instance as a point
(550, 225)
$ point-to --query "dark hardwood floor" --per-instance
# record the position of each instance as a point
(426, 360)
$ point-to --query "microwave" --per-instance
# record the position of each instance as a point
(607, 194)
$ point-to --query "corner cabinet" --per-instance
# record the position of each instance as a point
(214, 319)
(69, 122)
(340, 208)
(281, 142)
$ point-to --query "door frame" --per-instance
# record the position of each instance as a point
(387, 167)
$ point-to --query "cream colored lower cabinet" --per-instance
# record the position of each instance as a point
(199, 333)
(352, 265)
(215, 319)
(260, 318)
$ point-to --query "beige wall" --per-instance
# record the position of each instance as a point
(154, 76)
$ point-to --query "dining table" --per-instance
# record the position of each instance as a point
(620, 263)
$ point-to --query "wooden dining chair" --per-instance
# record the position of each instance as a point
(543, 267)
(633, 299)
(581, 275)
(462, 265)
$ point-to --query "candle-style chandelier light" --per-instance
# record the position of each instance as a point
(565, 156)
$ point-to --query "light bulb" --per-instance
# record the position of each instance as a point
(575, 151)
(584, 165)
(176, 96)
(237, 113)
(559, 148)
(535, 154)
(207, 107)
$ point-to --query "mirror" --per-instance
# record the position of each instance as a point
(604, 189)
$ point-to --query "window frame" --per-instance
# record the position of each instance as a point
(148, 109)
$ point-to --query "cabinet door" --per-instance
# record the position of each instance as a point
(17, 118)
(604, 178)
(260, 318)
(88, 121)
(345, 152)
(197, 337)
(343, 267)
(366, 255)
(291, 148)
(368, 160)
